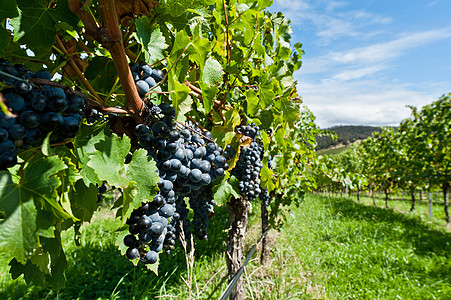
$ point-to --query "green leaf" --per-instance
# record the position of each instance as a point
(212, 72)
(223, 135)
(252, 102)
(84, 145)
(58, 262)
(35, 27)
(290, 111)
(181, 100)
(266, 94)
(8, 9)
(100, 73)
(151, 38)
(5, 38)
(225, 189)
(83, 200)
(31, 272)
(108, 159)
(198, 51)
(208, 97)
(178, 7)
(23, 222)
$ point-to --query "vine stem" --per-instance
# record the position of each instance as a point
(77, 70)
(117, 51)
(199, 95)
(194, 130)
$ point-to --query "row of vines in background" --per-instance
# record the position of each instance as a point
(413, 157)
(165, 68)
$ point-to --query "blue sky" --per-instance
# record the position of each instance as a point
(366, 60)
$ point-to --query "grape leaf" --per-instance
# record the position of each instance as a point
(181, 100)
(208, 96)
(23, 223)
(31, 272)
(36, 24)
(58, 262)
(226, 188)
(8, 9)
(290, 111)
(108, 159)
(151, 38)
(5, 38)
(83, 200)
(212, 72)
(252, 102)
(138, 179)
(84, 146)
(178, 7)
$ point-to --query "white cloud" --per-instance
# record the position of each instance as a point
(365, 103)
(363, 61)
(392, 49)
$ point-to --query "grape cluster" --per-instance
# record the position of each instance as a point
(249, 163)
(145, 77)
(188, 161)
(101, 189)
(33, 112)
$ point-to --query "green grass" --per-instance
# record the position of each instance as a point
(330, 248)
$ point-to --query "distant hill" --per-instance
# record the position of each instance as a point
(346, 134)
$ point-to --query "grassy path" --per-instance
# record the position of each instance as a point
(330, 248)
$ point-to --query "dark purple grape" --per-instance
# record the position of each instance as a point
(146, 70)
(130, 241)
(195, 175)
(132, 253)
(75, 103)
(57, 103)
(156, 228)
(43, 74)
(30, 119)
(150, 81)
(3, 135)
(142, 87)
(22, 87)
(71, 124)
(33, 137)
(167, 210)
(17, 132)
(151, 257)
(7, 146)
(14, 101)
(39, 102)
(51, 121)
(157, 75)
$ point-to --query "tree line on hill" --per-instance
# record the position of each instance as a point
(345, 134)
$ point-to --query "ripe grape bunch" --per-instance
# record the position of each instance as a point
(145, 77)
(188, 161)
(249, 164)
(33, 111)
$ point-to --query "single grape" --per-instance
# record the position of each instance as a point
(14, 101)
(3, 135)
(30, 119)
(17, 132)
(132, 253)
(157, 75)
(39, 102)
(43, 74)
(142, 87)
(57, 103)
(151, 257)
